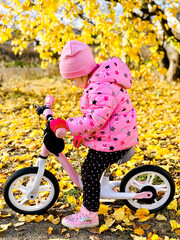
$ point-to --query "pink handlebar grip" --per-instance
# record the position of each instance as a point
(49, 100)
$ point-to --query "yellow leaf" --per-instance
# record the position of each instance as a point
(174, 225)
(30, 218)
(4, 226)
(109, 222)
(119, 228)
(113, 229)
(5, 215)
(18, 224)
(173, 205)
(119, 214)
(146, 218)
(132, 217)
(49, 231)
(103, 228)
(139, 231)
(141, 213)
(126, 220)
(119, 172)
(161, 217)
(2, 175)
(138, 238)
(2, 180)
(71, 199)
(177, 231)
(50, 218)
(155, 237)
(146, 226)
(65, 186)
(103, 209)
(22, 219)
(56, 220)
(39, 218)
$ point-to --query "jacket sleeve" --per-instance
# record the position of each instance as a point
(102, 103)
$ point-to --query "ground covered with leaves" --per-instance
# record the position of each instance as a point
(158, 109)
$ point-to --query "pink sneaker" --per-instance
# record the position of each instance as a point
(82, 219)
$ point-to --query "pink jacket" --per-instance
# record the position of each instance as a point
(109, 120)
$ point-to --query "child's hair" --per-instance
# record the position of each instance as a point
(76, 60)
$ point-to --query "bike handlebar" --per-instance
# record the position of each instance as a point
(49, 100)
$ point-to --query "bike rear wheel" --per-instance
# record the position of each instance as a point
(149, 178)
(20, 183)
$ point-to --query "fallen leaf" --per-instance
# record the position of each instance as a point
(4, 227)
(49, 231)
(2, 176)
(22, 219)
(141, 213)
(119, 227)
(138, 238)
(94, 238)
(144, 219)
(56, 220)
(39, 218)
(103, 209)
(4, 215)
(119, 214)
(173, 205)
(177, 231)
(103, 228)
(131, 217)
(174, 225)
(50, 218)
(18, 224)
(30, 218)
(93, 230)
(109, 222)
(113, 229)
(139, 231)
(155, 237)
(63, 230)
(161, 217)
(146, 226)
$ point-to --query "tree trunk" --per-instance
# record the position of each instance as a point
(174, 62)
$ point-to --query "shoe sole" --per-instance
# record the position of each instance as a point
(80, 226)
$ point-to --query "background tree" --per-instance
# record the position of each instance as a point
(139, 24)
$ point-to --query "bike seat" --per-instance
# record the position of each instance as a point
(127, 156)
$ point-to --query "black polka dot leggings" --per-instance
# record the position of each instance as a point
(92, 169)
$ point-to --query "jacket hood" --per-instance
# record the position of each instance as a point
(114, 71)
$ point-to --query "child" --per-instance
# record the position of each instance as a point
(107, 125)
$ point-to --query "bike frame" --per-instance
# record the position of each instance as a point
(107, 186)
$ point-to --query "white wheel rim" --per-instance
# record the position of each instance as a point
(164, 188)
(17, 193)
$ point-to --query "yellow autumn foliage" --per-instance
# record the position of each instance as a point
(102, 24)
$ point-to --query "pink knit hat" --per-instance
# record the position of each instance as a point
(76, 60)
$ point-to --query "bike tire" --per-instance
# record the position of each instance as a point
(156, 205)
(12, 186)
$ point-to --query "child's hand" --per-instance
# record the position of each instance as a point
(77, 141)
(61, 132)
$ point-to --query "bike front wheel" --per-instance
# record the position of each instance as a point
(149, 178)
(21, 182)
